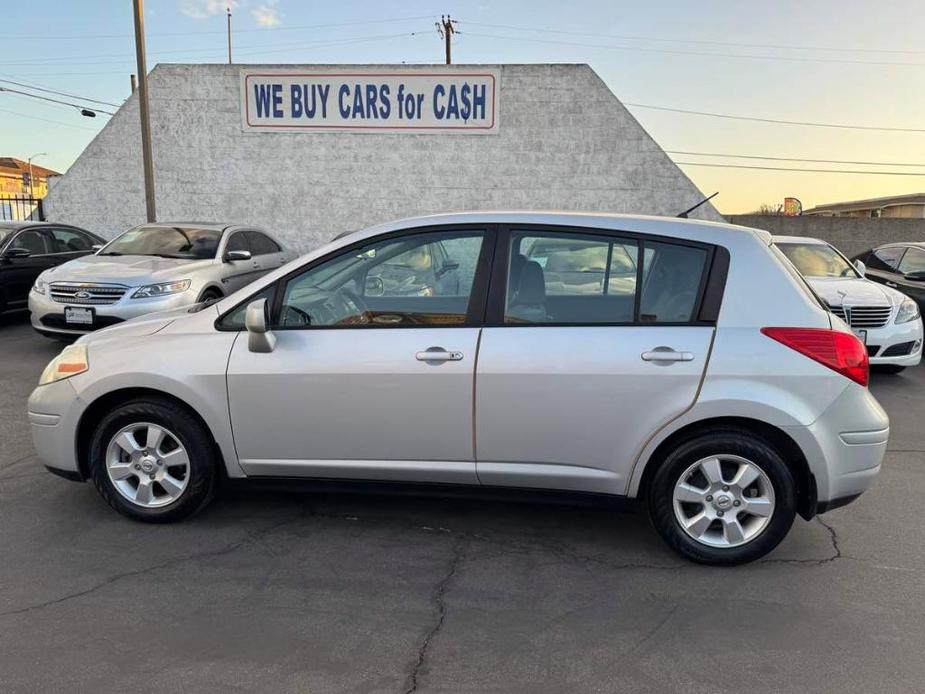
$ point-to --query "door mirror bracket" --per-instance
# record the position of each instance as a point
(260, 338)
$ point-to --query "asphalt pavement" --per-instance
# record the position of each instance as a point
(316, 592)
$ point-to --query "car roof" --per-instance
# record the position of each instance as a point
(799, 239)
(894, 244)
(21, 225)
(645, 224)
(215, 226)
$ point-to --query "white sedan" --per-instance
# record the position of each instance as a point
(886, 320)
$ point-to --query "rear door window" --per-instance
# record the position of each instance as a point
(912, 261)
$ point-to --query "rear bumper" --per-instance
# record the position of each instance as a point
(844, 447)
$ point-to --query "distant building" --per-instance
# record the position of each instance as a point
(18, 191)
(903, 206)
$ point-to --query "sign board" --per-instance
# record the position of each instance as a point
(397, 101)
(792, 207)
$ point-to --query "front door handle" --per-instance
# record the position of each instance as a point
(666, 354)
(438, 354)
(891, 284)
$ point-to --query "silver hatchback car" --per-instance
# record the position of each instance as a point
(683, 363)
(152, 267)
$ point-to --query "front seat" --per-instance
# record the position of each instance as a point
(528, 304)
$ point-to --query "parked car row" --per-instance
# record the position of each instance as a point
(686, 364)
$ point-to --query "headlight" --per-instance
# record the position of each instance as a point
(908, 310)
(71, 361)
(39, 286)
(152, 291)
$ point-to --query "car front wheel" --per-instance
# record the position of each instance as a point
(153, 461)
(724, 497)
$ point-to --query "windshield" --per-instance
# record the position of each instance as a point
(166, 242)
(818, 260)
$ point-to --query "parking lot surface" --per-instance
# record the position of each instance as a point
(315, 592)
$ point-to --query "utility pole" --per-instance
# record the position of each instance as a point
(446, 29)
(146, 152)
(228, 10)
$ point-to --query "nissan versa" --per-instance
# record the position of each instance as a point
(684, 363)
(153, 267)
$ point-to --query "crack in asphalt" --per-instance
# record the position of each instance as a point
(439, 600)
(250, 537)
(17, 461)
(836, 550)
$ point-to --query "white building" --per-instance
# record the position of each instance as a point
(561, 140)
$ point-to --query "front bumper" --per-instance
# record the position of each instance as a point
(48, 315)
(54, 414)
(900, 345)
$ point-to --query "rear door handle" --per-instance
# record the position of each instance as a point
(666, 355)
(438, 354)
(891, 284)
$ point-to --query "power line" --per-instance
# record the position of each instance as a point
(46, 120)
(53, 91)
(697, 41)
(814, 161)
(54, 101)
(203, 33)
(698, 53)
(775, 120)
(784, 168)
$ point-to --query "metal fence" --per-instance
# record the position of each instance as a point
(21, 208)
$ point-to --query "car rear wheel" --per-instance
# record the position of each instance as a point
(151, 460)
(724, 497)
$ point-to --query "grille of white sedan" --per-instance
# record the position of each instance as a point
(88, 294)
(863, 316)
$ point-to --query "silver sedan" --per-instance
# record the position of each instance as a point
(151, 268)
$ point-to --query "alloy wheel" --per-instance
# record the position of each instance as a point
(723, 501)
(147, 464)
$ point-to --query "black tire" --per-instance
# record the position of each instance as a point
(211, 294)
(730, 441)
(202, 471)
(887, 368)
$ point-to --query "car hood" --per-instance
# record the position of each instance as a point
(838, 291)
(142, 325)
(131, 270)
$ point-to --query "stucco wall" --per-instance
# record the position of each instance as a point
(849, 234)
(565, 142)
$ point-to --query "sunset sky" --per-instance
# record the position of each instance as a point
(826, 61)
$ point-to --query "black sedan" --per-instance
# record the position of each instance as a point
(28, 248)
(898, 265)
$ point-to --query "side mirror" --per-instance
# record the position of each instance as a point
(231, 256)
(96, 247)
(860, 267)
(256, 320)
(17, 253)
(374, 287)
(917, 276)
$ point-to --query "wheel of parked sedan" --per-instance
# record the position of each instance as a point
(153, 461)
(725, 497)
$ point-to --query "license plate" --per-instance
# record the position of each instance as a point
(862, 335)
(78, 315)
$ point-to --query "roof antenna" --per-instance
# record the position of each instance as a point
(686, 212)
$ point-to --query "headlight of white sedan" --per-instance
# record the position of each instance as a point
(72, 361)
(39, 286)
(908, 310)
(153, 291)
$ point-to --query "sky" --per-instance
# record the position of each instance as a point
(859, 63)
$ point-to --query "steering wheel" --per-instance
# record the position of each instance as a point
(353, 298)
(290, 315)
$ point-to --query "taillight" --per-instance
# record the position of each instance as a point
(841, 352)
